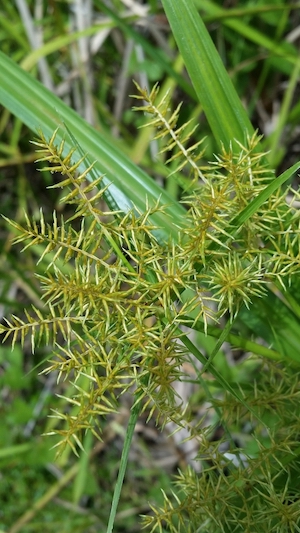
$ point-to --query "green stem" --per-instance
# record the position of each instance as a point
(134, 414)
(235, 340)
(216, 374)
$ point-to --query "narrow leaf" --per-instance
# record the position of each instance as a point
(39, 109)
(221, 104)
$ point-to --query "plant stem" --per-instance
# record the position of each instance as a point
(134, 414)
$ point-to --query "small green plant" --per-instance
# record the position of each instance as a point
(118, 320)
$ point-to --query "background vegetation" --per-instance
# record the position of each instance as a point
(88, 53)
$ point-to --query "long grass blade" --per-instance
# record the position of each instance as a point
(38, 108)
(221, 104)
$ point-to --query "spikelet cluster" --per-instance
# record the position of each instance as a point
(115, 317)
(120, 308)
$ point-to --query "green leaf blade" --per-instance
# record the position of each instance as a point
(222, 106)
(39, 109)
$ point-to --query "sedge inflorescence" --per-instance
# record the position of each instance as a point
(116, 298)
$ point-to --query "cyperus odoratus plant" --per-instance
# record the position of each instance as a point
(118, 317)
